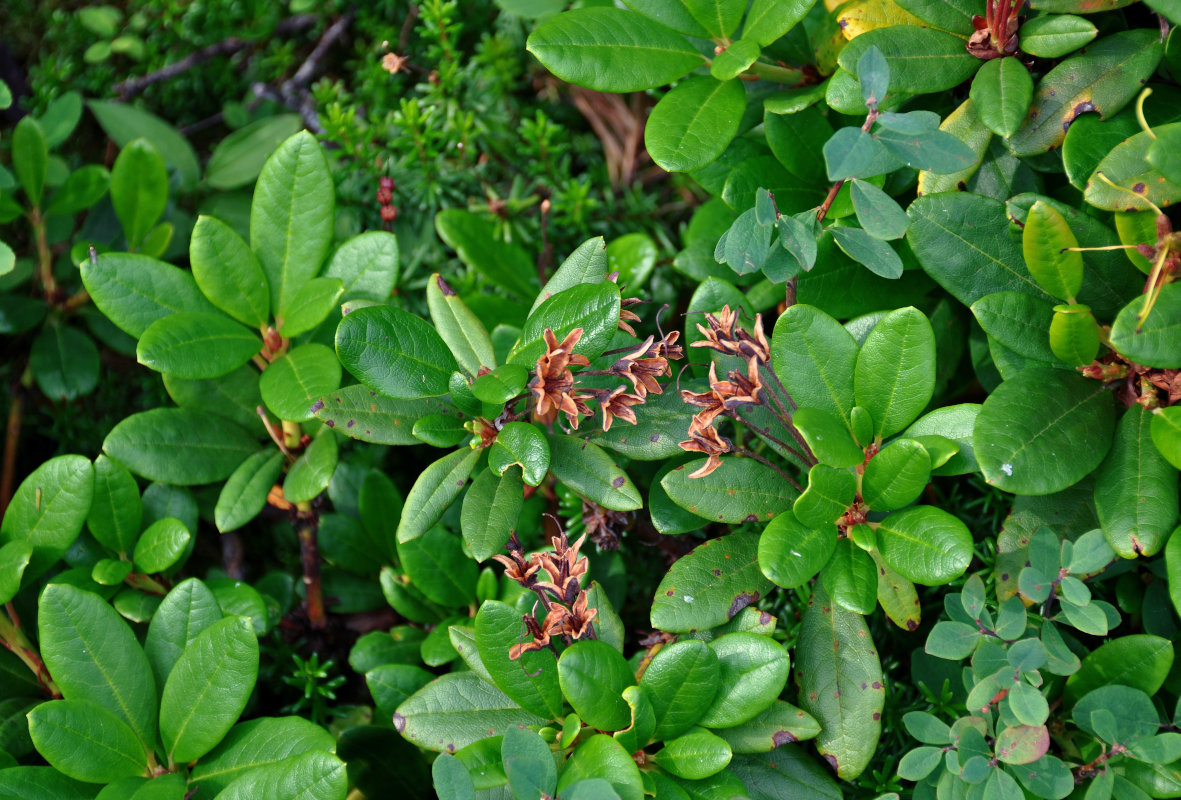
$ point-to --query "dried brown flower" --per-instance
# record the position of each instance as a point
(626, 316)
(618, 404)
(705, 439)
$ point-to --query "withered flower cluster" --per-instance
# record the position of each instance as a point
(560, 593)
(724, 396)
(555, 390)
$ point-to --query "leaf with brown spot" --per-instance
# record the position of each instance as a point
(1104, 77)
(702, 599)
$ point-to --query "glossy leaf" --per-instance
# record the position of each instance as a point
(48, 510)
(1166, 434)
(116, 510)
(602, 757)
(1141, 661)
(139, 189)
(593, 307)
(791, 553)
(196, 344)
(695, 755)
(394, 352)
(460, 328)
(125, 123)
(611, 50)
(693, 124)
(753, 671)
(184, 613)
(228, 272)
(310, 305)
(291, 217)
(161, 545)
(360, 413)
(528, 763)
(921, 60)
(477, 243)
(587, 469)
(491, 508)
(895, 372)
(878, 213)
(850, 578)
(1055, 35)
(925, 545)
(1001, 92)
(1017, 322)
(741, 490)
(457, 709)
(840, 680)
(292, 383)
(1035, 450)
(876, 255)
(524, 445)
(1136, 489)
(593, 676)
(436, 565)
(30, 152)
(367, 266)
(1046, 242)
(65, 362)
(86, 741)
(1152, 343)
(312, 471)
(680, 680)
(314, 774)
(829, 494)
(531, 679)
(815, 357)
(710, 585)
(896, 476)
(1102, 80)
(112, 670)
(245, 492)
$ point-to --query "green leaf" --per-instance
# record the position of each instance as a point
(367, 266)
(161, 545)
(851, 152)
(1154, 343)
(228, 272)
(1034, 448)
(501, 384)
(311, 305)
(1127, 166)
(1001, 92)
(791, 552)
(830, 492)
(253, 744)
(680, 681)
(238, 158)
(125, 123)
(14, 558)
(919, 763)
(291, 217)
(1019, 323)
(86, 741)
(1046, 242)
(694, 123)
(602, 757)
(1161, 154)
(134, 291)
(112, 671)
(741, 490)
(593, 676)
(1055, 35)
(815, 357)
(1141, 661)
(48, 510)
(529, 764)
(851, 578)
(394, 352)
(785, 774)
(491, 508)
(207, 688)
(116, 510)
(294, 381)
(360, 413)
(878, 213)
(840, 680)
(179, 446)
(1166, 434)
(588, 470)
(196, 344)
(313, 775)
(312, 471)
(661, 424)
(65, 362)
(452, 780)
(587, 264)
(459, 708)
(895, 374)
(139, 189)
(1136, 489)
(434, 490)
(437, 566)
(873, 73)
(921, 60)
(532, 679)
(925, 545)
(876, 255)
(1104, 80)
(85, 187)
(523, 444)
(710, 585)
(753, 671)
(476, 242)
(695, 755)
(780, 724)
(184, 613)
(245, 492)
(968, 265)
(734, 60)
(954, 641)
(30, 158)
(593, 307)
(611, 50)
(110, 571)
(459, 327)
(1132, 713)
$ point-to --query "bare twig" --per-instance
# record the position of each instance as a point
(293, 92)
(130, 88)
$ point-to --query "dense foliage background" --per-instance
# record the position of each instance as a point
(685, 398)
